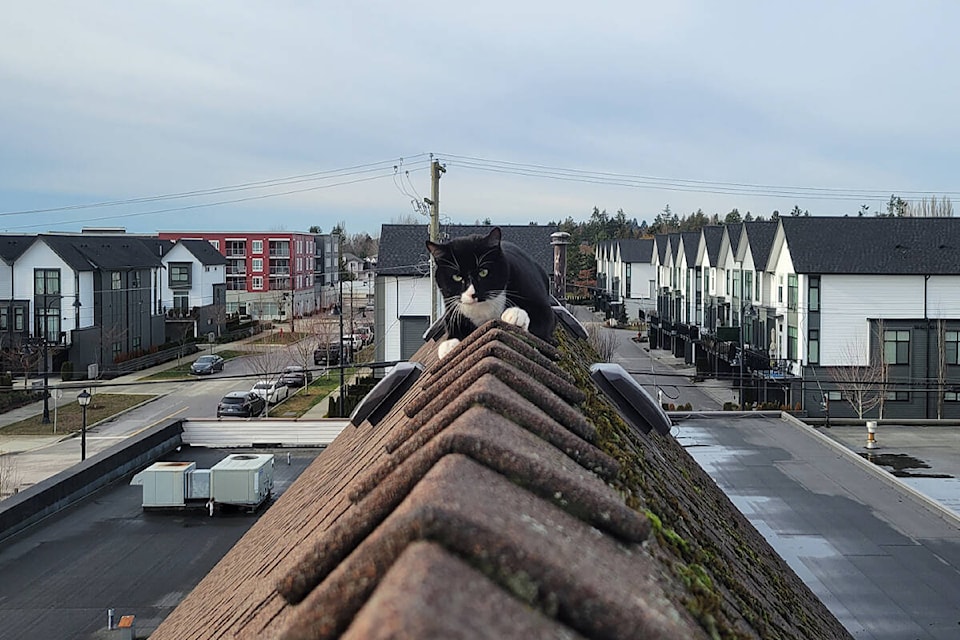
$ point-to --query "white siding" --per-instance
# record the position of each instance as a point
(403, 296)
(848, 301)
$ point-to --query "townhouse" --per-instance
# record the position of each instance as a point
(626, 275)
(88, 299)
(847, 317)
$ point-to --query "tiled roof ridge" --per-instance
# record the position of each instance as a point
(423, 574)
(494, 442)
(467, 364)
(529, 389)
(564, 429)
(476, 515)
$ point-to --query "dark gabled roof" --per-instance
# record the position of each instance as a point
(713, 237)
(157, 246)
(760, 238)
(13, 246)
(486, 504)
(109, 252)
(674, 246)
(636, 250)
(663, 241)
(204, 252)
(403, 251)
(888, 246)
(691, 244)
(734, 230)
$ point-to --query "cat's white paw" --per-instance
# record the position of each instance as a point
(446, 347)
(517, 316)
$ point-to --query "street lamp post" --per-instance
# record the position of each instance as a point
(84, 399)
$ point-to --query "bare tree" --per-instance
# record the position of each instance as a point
(941, 364)
(932, 208)
(9, 475)
(862, 386)
(267, 363)
(603, 341)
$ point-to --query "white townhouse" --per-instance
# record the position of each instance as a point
(627, 274)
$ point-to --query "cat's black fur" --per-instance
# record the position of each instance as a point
(502, 276)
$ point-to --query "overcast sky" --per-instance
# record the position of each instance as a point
(539, 110)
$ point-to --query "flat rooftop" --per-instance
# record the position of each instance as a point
(62, 575)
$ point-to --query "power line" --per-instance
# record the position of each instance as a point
(246, 186)
(206, 204)
(678, 184)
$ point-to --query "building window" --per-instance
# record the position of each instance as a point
(257, 282)
(19, 317)
(135, 280)
(256, 246)
(181, 301)
(951, 396)
(756, 293)
(258, 264)
(46, 282)
(236, 248)
(834, 396)
(116, 282)
(116, 350)
(813, 346)
(629, 272)
(896, 346)
(814, 293)
(4, 319)
(791, 343)
(780, 289)
(747, 284)
(792, 291)
(950, 343)
(135, 343)
(180, 275)
(897, 396)
(216, 244)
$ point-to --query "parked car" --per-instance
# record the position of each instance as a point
(328, 355)
(241, 404)
(355, 340)
(205, 365)
(272, 391)
(296, 376)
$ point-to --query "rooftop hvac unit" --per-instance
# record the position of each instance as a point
(164, 483)
(244, 479)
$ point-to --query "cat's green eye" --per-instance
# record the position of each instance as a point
(457, 277)
(483, 273)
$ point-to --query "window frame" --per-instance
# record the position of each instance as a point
(899, 341)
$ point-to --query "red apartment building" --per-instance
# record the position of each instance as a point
(268, 273)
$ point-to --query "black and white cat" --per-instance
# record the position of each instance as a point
(483, 278)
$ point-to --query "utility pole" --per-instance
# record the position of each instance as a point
(435, 170)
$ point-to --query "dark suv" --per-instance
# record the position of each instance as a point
(328, 355)
(241, 404)
(296, 376)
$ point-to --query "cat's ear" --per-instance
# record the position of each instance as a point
(493, 238)
(435, 249)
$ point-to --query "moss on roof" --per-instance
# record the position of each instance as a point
(733, 582)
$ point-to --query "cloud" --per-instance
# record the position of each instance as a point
(115, 100)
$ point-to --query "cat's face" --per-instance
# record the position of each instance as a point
(472, 275)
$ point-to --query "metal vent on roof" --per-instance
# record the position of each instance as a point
(636, 405)
(376, 404)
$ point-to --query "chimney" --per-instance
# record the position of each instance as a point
(560, 240)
